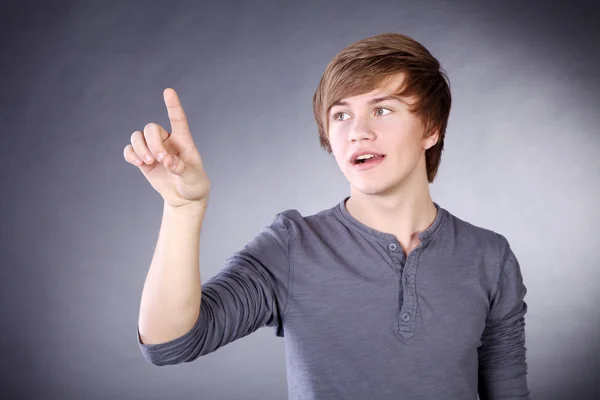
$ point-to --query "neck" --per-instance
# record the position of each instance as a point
(404, 215)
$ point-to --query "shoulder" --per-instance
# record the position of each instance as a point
(296, 220)
(477, 238)
(485, 247)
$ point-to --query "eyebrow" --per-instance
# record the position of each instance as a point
(372, 101)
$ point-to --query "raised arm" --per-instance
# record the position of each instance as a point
(181, 319)
(250, 292)
(172, 165)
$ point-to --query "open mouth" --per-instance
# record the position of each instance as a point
(368, 159)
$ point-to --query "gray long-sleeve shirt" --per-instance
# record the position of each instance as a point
(362, 321)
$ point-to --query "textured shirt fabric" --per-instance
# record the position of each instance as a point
(360, 320)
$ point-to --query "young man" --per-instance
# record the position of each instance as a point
(386, 295)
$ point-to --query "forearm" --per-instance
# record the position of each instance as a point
(170, 302)
(502, 355)
(503, 366)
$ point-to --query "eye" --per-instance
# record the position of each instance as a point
(379, 111)
(337, 116)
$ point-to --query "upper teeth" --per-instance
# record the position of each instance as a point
(365, 156)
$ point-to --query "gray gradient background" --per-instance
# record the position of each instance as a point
(79, 224)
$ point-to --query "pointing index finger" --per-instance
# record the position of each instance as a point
(179, 123)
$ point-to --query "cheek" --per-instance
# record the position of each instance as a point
(336, 134)
(404, 137)
(339, 156)
(338, 145)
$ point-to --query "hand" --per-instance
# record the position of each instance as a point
(170, 162)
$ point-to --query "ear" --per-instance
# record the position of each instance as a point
(430, 140)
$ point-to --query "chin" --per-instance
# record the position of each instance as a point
(378, 187)
(372, 188)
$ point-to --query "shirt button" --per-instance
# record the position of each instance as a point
(405, 317)
(393, 246)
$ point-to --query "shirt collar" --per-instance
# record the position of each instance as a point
(342, 212)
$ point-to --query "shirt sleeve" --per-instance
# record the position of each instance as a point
(250, 292)
(502, 354)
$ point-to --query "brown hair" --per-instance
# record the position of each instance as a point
(364, 65)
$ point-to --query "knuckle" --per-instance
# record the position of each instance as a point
(150, 127)
(130, 156)
(139, 147)
(134, 136)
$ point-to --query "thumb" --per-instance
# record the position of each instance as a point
(178, 167)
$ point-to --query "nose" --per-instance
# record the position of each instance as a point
(361, 130)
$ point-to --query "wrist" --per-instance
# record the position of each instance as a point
(190, 210)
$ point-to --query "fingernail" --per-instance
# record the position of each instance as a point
(160, 156)
(148, 158)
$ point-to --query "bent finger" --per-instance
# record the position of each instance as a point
(131, 157)
(155, 135)
(138, 141)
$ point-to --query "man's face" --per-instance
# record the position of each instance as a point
(381, 124)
